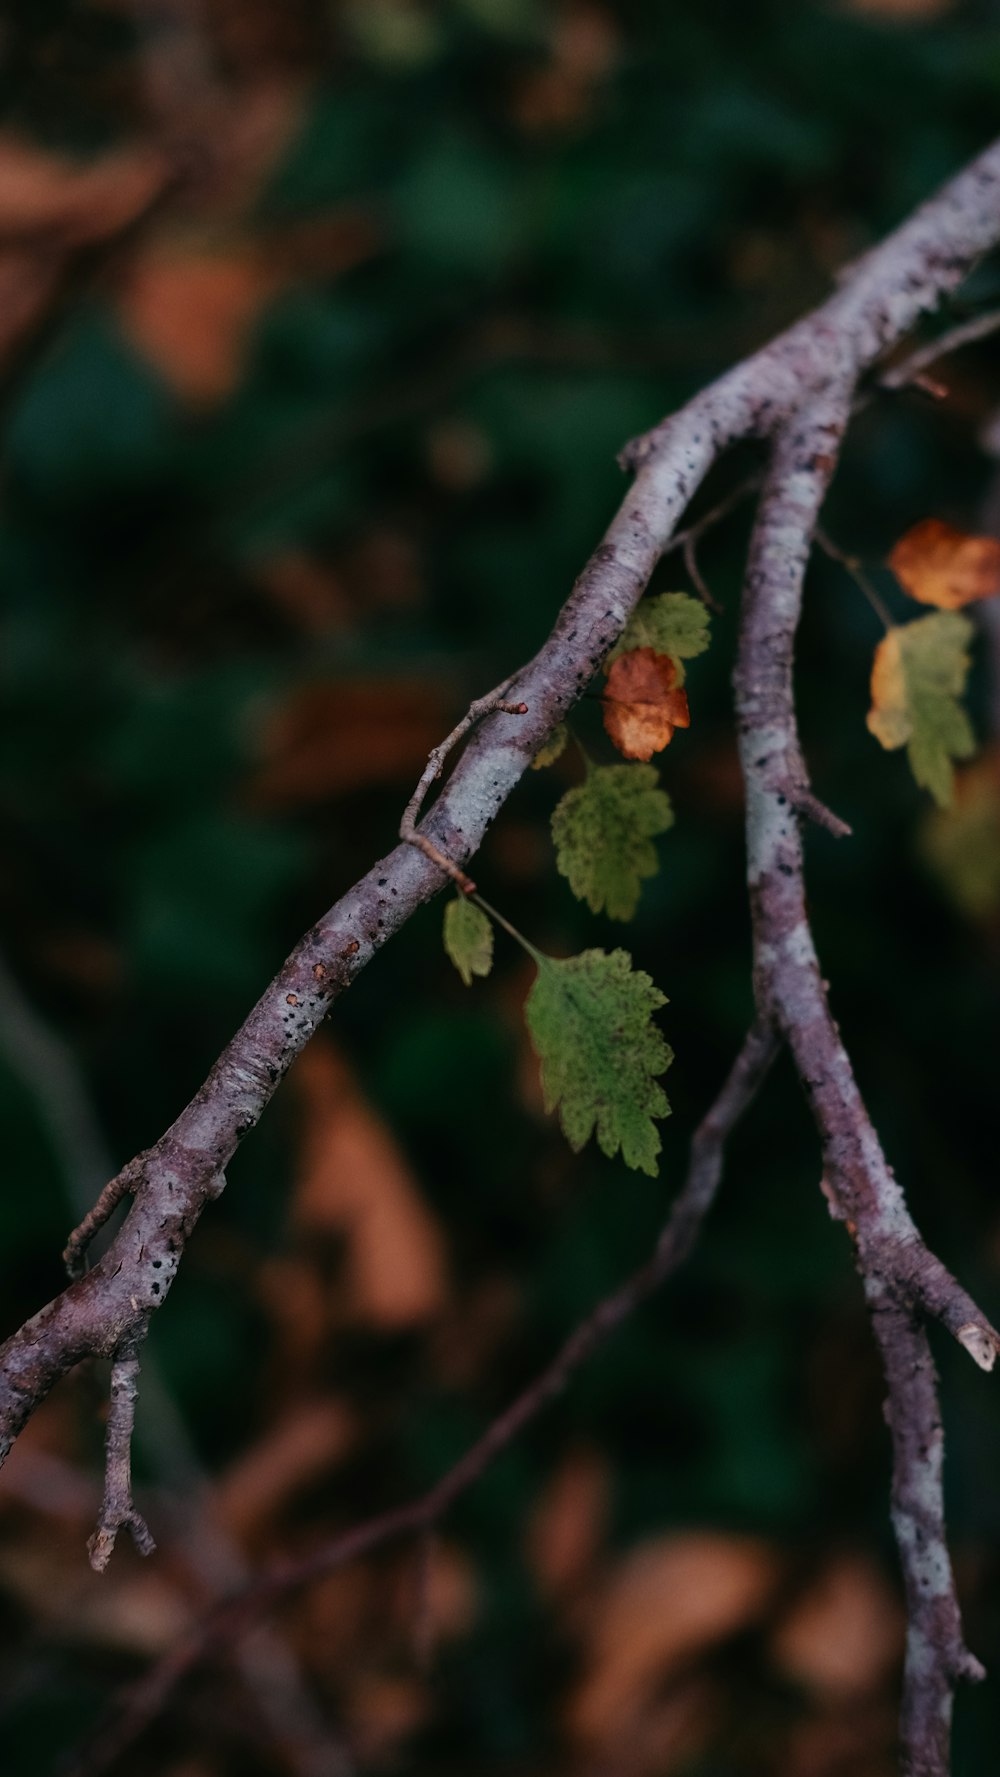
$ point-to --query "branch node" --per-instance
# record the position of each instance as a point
(483, 706)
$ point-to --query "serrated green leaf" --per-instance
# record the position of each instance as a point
(551, 749)
(468, 938)
(602, 831)
(672, 623)
(590, 1020)
(918, 676)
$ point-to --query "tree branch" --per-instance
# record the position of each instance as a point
(797, 392)
(419, 1517)
(901, 1277)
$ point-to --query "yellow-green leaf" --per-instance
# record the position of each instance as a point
(550, 749)
(962, 844)
(468, 938)
(671, 623)
(918, 677)
(602, 831)
(591, 1024)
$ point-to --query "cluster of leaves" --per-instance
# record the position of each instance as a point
(920, 669)
(590, 1016)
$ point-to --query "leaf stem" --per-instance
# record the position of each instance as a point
(519, 937)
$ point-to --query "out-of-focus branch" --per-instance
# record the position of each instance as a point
(420, 1516)
(273, 1682)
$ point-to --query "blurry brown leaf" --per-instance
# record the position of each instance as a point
(585, 40)
(50, 209)
(459, 454)
(191, 310)
(641, 706)
(353, 1178)
(569, 1521)
(846, 1634)
(325, 246)
(667, 1601)
(474, 1329)
(383, 571)
(383, 1712)
(296, 1450)
(306, 591)
(302, 1307)
(904, 10)
(448, 1593)
(942, 566)
(855, 1742)
(73, 203)
(132, 1608)
(331, 738)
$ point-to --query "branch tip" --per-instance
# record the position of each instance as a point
(814, 810)
(980, 1342)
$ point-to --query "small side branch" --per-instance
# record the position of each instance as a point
(124, 1184)
(483, 706)
(118, 1510)
(913, 368)
(145, 1701)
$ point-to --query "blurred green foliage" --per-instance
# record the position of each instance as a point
(568, 235)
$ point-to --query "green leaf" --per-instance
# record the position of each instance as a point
(468, 938)
(962, 844)
(551, 749)
(918, 676)
(672, 623)
(602, 831)
(590, 1020)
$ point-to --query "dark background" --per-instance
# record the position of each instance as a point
(290, 471)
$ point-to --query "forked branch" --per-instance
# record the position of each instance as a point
(797, 394)
(422, 1515)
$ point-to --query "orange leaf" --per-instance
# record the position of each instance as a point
(641, 706)
(353, 1180)
(942, 566)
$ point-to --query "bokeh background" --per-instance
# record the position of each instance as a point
(320, 326)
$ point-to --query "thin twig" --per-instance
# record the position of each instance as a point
(911, 368)
(124, 1184)
(146, 1699)
(856, 568)
(687, 540)
(483, 706)
(118, 1511)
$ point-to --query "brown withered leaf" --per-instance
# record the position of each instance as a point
(568, 1524)
(668, 1601)
(302, 1446)
(191, 310)
(353, 1180)
(642, 705)
(845, 1634)
(942, 566)
(340, 736)
(72, 203)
